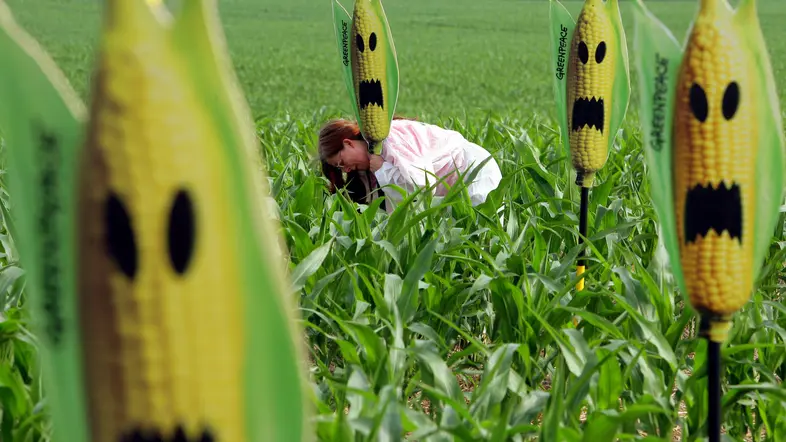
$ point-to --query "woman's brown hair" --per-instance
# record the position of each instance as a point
(331, 141)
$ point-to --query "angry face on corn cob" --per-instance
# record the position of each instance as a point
(592, 96)
(143, 222)
(714, 141)
(370, 66)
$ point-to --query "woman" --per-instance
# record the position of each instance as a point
(411, 156)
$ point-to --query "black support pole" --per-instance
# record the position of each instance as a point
(714, 390)
(713, 376)
(583, 220)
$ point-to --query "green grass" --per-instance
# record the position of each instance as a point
(447, 324)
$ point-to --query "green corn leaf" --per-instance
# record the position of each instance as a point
(771, 160)
(621, 91)
(601, 427)
(43, 132)
(658, 56)
(342, 23)
(561, 32)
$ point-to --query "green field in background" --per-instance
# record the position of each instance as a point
(455, 56)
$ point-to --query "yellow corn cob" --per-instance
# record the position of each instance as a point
(591, 65)
(162, 353)
(715, 137)
(369, 67)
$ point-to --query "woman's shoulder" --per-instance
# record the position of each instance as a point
(412, 124)
(421, 139)
(407, 135)
(422, 131)
(405, 124)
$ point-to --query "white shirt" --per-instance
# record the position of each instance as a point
(414, 152)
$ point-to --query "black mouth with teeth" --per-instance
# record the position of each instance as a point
(154, 435)
(588, 112)
(370, 92)
(716, 209)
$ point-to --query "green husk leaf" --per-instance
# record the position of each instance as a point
(276, 400)
(770, 159)
(392, 82)
(562, 26)
(42, 119)
(621, 90)
(658, 57)
(342, 23)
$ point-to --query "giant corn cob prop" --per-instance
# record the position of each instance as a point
(368, 56)
(592, 89)
(714, 142)
(154, 274)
